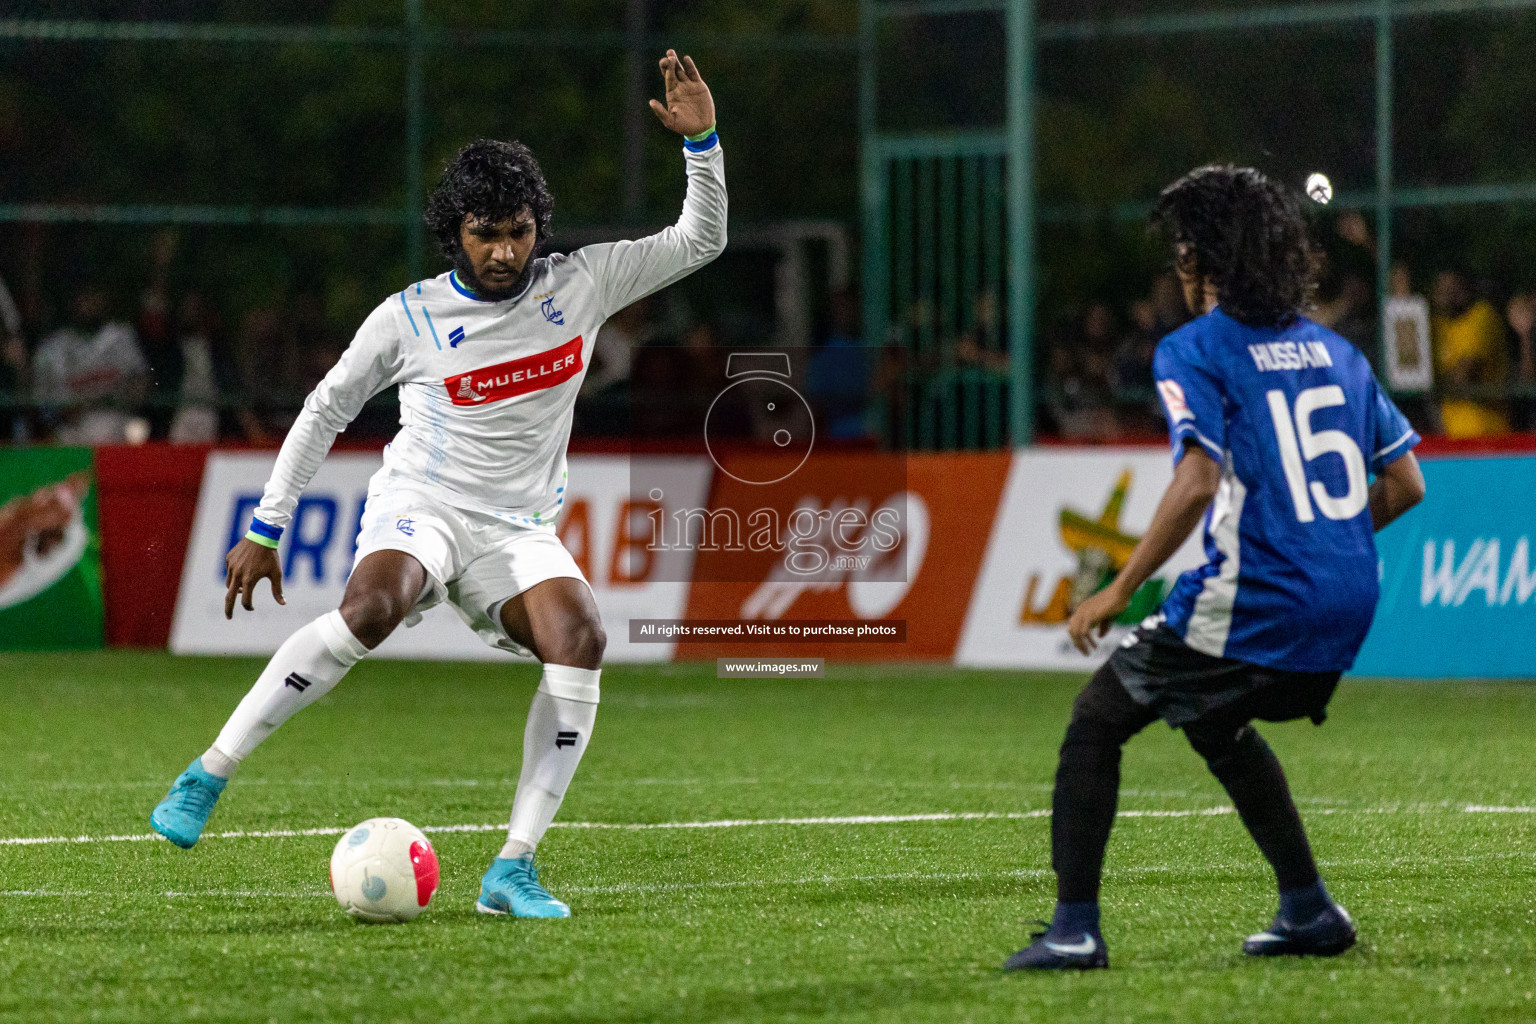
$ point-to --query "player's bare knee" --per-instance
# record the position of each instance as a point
(373, 615)
(581, 645)
(590, 641)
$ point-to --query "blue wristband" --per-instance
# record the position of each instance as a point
(705, 144)
(263, 533)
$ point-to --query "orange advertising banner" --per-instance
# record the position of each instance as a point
(863, 537)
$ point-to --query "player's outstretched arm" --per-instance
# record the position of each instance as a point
(371, 363)
(1195, 482)
(1399, 487)
(625, 272)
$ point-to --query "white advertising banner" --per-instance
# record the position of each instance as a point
(1069, 518)
(598, 526)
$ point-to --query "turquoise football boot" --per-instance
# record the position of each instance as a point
(180, 817)
(512, 886)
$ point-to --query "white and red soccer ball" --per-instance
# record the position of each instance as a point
(384, 870)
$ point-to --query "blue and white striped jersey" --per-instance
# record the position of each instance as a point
(1298, 423)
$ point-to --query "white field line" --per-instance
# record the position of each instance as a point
(855, 819)
(436, 783)
(273, 894)
(631, 888)
(350, 784)
(641, 888)
(863, 819)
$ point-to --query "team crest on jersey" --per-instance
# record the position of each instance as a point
(547, 307)
(516, 377)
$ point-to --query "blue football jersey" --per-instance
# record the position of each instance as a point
(1299, 425)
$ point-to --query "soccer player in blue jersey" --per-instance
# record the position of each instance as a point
(1278, 427)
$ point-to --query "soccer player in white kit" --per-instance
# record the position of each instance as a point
(488, 359)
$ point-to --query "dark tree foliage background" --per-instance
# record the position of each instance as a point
(324, 125)
(1118, 119)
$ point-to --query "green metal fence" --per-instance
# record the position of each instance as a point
(949, 219)
(413, 40)
(925, 265)
(943, 242)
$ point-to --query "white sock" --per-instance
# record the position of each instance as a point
(301, 672)
(559, 726)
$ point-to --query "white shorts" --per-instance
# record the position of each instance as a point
(474, 561)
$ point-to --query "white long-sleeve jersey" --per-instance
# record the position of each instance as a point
(487, 389)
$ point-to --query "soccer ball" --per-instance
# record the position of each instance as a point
(384, 870)
(1319, 188)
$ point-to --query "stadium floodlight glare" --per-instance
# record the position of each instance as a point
(1319, 188)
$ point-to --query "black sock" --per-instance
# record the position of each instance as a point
(1299, 906)
(1253, 778)
(1083, 811)
(1073, 919)
(1088, 784)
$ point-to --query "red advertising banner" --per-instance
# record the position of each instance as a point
(148, 503)
(942, 507)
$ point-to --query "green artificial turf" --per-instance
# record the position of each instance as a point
(850, 922)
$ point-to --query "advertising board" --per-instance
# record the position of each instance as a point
(599, 525)
(1458, 576)
(50, 551)
(1067, 522)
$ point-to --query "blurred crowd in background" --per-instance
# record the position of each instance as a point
(1097, 382)
(168, 364)
(92, 366)
(163, 365)
(124, 332)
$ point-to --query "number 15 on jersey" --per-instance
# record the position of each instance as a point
(1299, 443)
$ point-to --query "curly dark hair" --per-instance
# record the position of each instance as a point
(1245, 232)
(493, 181)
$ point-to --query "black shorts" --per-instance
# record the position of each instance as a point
(1163, 673)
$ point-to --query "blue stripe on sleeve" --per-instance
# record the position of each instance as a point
(704, 145)
(431, 328)
(409, 317)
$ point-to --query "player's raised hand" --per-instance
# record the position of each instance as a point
(246, 564)
(689, 109)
